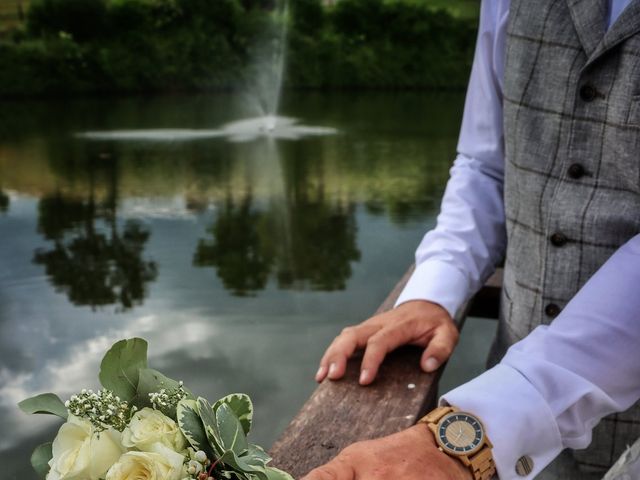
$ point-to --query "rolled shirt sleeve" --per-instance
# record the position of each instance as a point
(554, 386)
(454, 260)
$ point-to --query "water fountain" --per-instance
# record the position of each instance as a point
(263, 89)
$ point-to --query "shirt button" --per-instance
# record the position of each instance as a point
(558, 239)
(588, 93)
(576, 171)
(552, 310)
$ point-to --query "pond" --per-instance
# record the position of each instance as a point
(237, 261)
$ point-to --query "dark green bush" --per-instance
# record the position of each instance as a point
(78, 46)
(381, 44)
(307, 16)
(82, 19)
(36, 67)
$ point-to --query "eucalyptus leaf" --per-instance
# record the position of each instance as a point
(47, 403)
(230, 430)
(40, 459)
(120, 366)
(242, 408)
(191, 426)
(277, 474)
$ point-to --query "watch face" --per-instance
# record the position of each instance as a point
(460, 433)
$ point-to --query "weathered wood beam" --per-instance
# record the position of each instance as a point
(341, 412)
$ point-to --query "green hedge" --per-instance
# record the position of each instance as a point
(90, 46)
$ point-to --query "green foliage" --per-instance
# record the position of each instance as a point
(120, 367)
(230, 430)
(307, 16)
(151, 381)
(276, 474)
(47, 403)
(90, 46)
(241, 405)
(36, 67)
(226, 435)
(220, 430)
(191, 426)
(82, 19)
(382, 44)
(40, 459)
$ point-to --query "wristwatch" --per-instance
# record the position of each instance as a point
(462, 436)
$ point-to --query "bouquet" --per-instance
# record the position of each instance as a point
(146, 426)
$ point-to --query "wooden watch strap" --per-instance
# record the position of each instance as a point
(435, 415)
(482, 465)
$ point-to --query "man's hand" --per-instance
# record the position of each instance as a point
(408, 455)
(417, 322)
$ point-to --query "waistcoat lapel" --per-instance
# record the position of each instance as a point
(589, 17)
(627, 24)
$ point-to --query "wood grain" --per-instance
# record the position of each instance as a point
(341, 412)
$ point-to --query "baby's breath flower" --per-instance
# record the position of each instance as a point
(103, 409)
(166, 399)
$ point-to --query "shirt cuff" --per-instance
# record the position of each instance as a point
(438, 282)
(516, 417)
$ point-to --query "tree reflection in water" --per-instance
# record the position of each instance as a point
(94, 260)
(4, 202)
(309, 245)
(323, 245)
(242, 259)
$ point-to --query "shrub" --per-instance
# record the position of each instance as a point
(82, 19)
(78, 46)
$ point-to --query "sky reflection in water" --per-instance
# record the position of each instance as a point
(237, 261)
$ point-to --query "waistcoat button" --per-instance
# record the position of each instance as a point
(558, 239)
(576, 171)
(552, 310)
(588, 93)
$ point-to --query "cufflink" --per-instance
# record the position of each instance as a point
(524, 466)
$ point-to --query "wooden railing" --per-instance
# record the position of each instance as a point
(342, 412)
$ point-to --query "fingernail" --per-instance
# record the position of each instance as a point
(321, 373)
(364, 376)
(332, 370)
(431, 365)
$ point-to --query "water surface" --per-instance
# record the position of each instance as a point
(238, 262)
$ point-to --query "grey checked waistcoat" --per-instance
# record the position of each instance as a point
(572, 175)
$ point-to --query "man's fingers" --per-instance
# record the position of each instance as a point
(334, 470)
(378, 345)
(334, 361)
(440, 347)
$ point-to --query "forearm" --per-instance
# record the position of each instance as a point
(553, 387)
(455, 259)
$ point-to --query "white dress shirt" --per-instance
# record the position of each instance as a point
(554, 386)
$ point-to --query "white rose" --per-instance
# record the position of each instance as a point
(160, 463)
(149, 426)
(81, 453)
